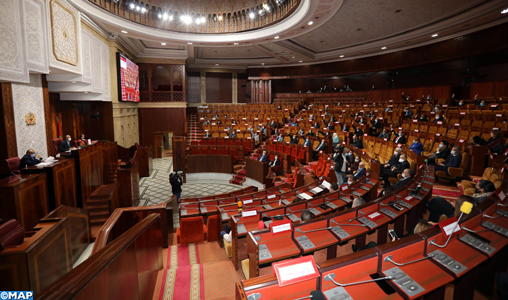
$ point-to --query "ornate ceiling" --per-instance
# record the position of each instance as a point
(316, 31)
(207, 6)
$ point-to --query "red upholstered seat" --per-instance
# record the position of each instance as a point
(194, 143)
(192, 230)
(220, 142)
(56, 144)
(224, 151)
(213, 228)
(214, 152)
(211, 142)
(195, 152)
(234, 154)
(13, 164)
(205, 151)
(203, 142)
(11, 234)
(229, 142)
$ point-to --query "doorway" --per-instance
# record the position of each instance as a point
(163, 144)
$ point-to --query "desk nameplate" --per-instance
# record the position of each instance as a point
(345, 199)
(314, 211)
(365, 188)
(356, 193)
(224, 216)
(184, 212)
(285, 202)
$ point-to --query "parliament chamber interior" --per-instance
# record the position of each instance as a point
(254, 149)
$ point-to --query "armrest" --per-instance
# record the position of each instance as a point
(440, 160)
(455, 172)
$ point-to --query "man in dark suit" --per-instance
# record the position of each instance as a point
(361, 171)
(384, 135)
(65, 145)
(395, 170)
(406, 177)
(275, 162)
(394, 160)
(273, 125)
(453, 161)
(320, 147)
(263, 157)
(358, 131)
(442, 152)
(294, 139)
(375, 125)
(408, 114)
(29, 159)
(400, 138)
(208, 134)
(307, 143)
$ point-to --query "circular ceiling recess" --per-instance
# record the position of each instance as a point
(202, 16)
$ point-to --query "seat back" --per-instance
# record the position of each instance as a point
(428, 145)
(13, 163)
(212, 228)
(191, 230)
(11, 234)
(56, 144)
(465, 160)
(487, 173)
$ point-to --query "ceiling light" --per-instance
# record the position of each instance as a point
(217, 65)
(293, 57)
(301, 61)
(86, 92)
(236, 43)
(260, 11)
(131, 6)
(267, 8)
(123, 31)
(342, 56)
(163, 44)
(434, 35)
(198, 21)
(143, 10)
(262, 64)
(252, 15)
(165, 16)
(189, 43)
(138, 8)
(276, 37)
(159, 16)
(383, 48)
(74, 82)
(220, 18)
(203, 19)
(504, 11)
(171, 17)
(310, 23)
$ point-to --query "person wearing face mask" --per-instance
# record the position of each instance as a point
(408, 114)
(394, 160)
(407, 175)
(350, 180)
(453, 161)
(417, 146)
(461, 103)
(350, 157)
(354, 166)
(384, 135)
(400, 138)
(357, 141)
(82, 141)
(29, 159)
(361, 170)
(66, 144)
(340, 163)
(484, 188)
(442, 152)
(398, 168)
(275, 163)
(307, 142)
(423, 118)
(335, 139)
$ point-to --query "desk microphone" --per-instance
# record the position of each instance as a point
(19, 177)
(465, 208)
(314, 295)
(427, 165)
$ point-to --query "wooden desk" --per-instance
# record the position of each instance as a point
(352, 268)
(209, 163)
(432, 281)
(145, 158)
(353, 229)
(25, 200)
(61, 179)
(268, 288)
(257, 170)
(128, 178)
(318, 239)
(39, 261)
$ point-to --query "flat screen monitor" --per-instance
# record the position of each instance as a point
(128, 79)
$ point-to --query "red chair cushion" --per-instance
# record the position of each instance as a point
(11, 234)
(56, 144)
(212, 228)
(192, 230)
(13, 164)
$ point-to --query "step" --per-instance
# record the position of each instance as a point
(96, 221)
(97, 202)
(103, 191)
(94, 215)
(95, 208)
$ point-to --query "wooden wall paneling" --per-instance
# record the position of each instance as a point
(47, 116)
(194, 87)
(243, 91)
(500, 89)
(110, 162)
(8, 142)
(153, 120)
(219, 87)
(179, 153)
(128, 179)
(395, 94)
(64, 184)
(45, 260)
(25, 201)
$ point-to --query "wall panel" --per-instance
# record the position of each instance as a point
(219, 88)
(159, 120)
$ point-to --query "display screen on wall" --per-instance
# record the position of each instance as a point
(128, 73)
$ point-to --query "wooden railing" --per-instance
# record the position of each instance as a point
(125, 269)
(124, 218)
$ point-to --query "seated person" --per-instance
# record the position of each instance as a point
(407, 175)
(294, 139)
(307, 142)
(484, 188)
(310, 133)
(453, 161)
(357, 202)
(275, 162)
(335, 139)
(408, 114)
(232, 134)
(442, 152)
(349, 180)
(376, 124)
(361, 170)
(400, 138)
(263, 157)
(29, 159)
(82, 141)
(385, 134)
(306, 215)
(255, 136)
(226, 234)
(398, 168)
(354, 166)
(65, 145)
(394, 159)
(301, 132)
(207, 134)
(438, 206)
(320, 147)
(357, 141)
(416, 146)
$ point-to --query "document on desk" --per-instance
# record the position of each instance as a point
(305, 196)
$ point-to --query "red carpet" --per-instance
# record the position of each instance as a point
(449, 192)
(182, 255)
